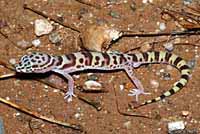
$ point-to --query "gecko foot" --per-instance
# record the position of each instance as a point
(69, 95)
(137, 92)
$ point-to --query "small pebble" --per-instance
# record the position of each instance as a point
(93, 77)
(114, 14)
(24, 44)
(133, 6)
(1, 126)
(127, 124)
(162, 26)
(168, 46)
(162, 70)
(77, 116)
(144, 1)
(36, 123)
(154, 83)
(187, 2)
(7, 98)
(178, 125)
(91, 84)
(12, 61)
(36, 42)
(185, 113)
(192, 63)
(42, 27)
(55, 38)
(17, 114)
(113, 34)
(166, 76)
(121, 87)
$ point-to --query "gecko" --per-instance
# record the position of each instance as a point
(38, 62)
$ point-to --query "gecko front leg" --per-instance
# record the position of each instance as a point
(139, 88)
(70, 93)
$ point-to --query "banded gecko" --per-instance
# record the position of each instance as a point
(89, 60)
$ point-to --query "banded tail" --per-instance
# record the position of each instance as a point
(174, 60)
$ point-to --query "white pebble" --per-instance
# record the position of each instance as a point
(17, 114)
(23, 44)
(77, 116)
(154, 83)
(168, 46)
(12, 61)
(121, 87)
(114, 34)
(185, 113)
(162, 26)
(178, 125)
(42, 27)
(144, 1)
(162, 70)
(56, 90)
(91, 84)
(127, 124)
(7, 98)
(36, 42)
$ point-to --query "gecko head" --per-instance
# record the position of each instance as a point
(34, 63)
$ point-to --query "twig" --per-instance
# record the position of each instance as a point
(38, 116)
(188, 32)
(6, 65)
(6, 36)
(89, 4)
(52, 19)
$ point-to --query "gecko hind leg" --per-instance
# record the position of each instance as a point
(139, 88)
(70, 93)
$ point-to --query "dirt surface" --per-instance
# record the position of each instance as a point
(18, 24)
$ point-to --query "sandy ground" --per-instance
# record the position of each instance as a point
(17, 24)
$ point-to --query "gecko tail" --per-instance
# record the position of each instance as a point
(185, 71)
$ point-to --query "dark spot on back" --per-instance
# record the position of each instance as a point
(157, 54)
(30, 56)
(60, 60)
(33, 60)
(145, 55)
(167, 56)
(122, 59)
(37, 57)
(115, 60)
(78, 66)
(88, 57)
(43, 58)
(135, 59)
(106, 58)
(151, 60)
(81, 60)
(102, 63)
(35, 66)
(97, 58)
(72, 59)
